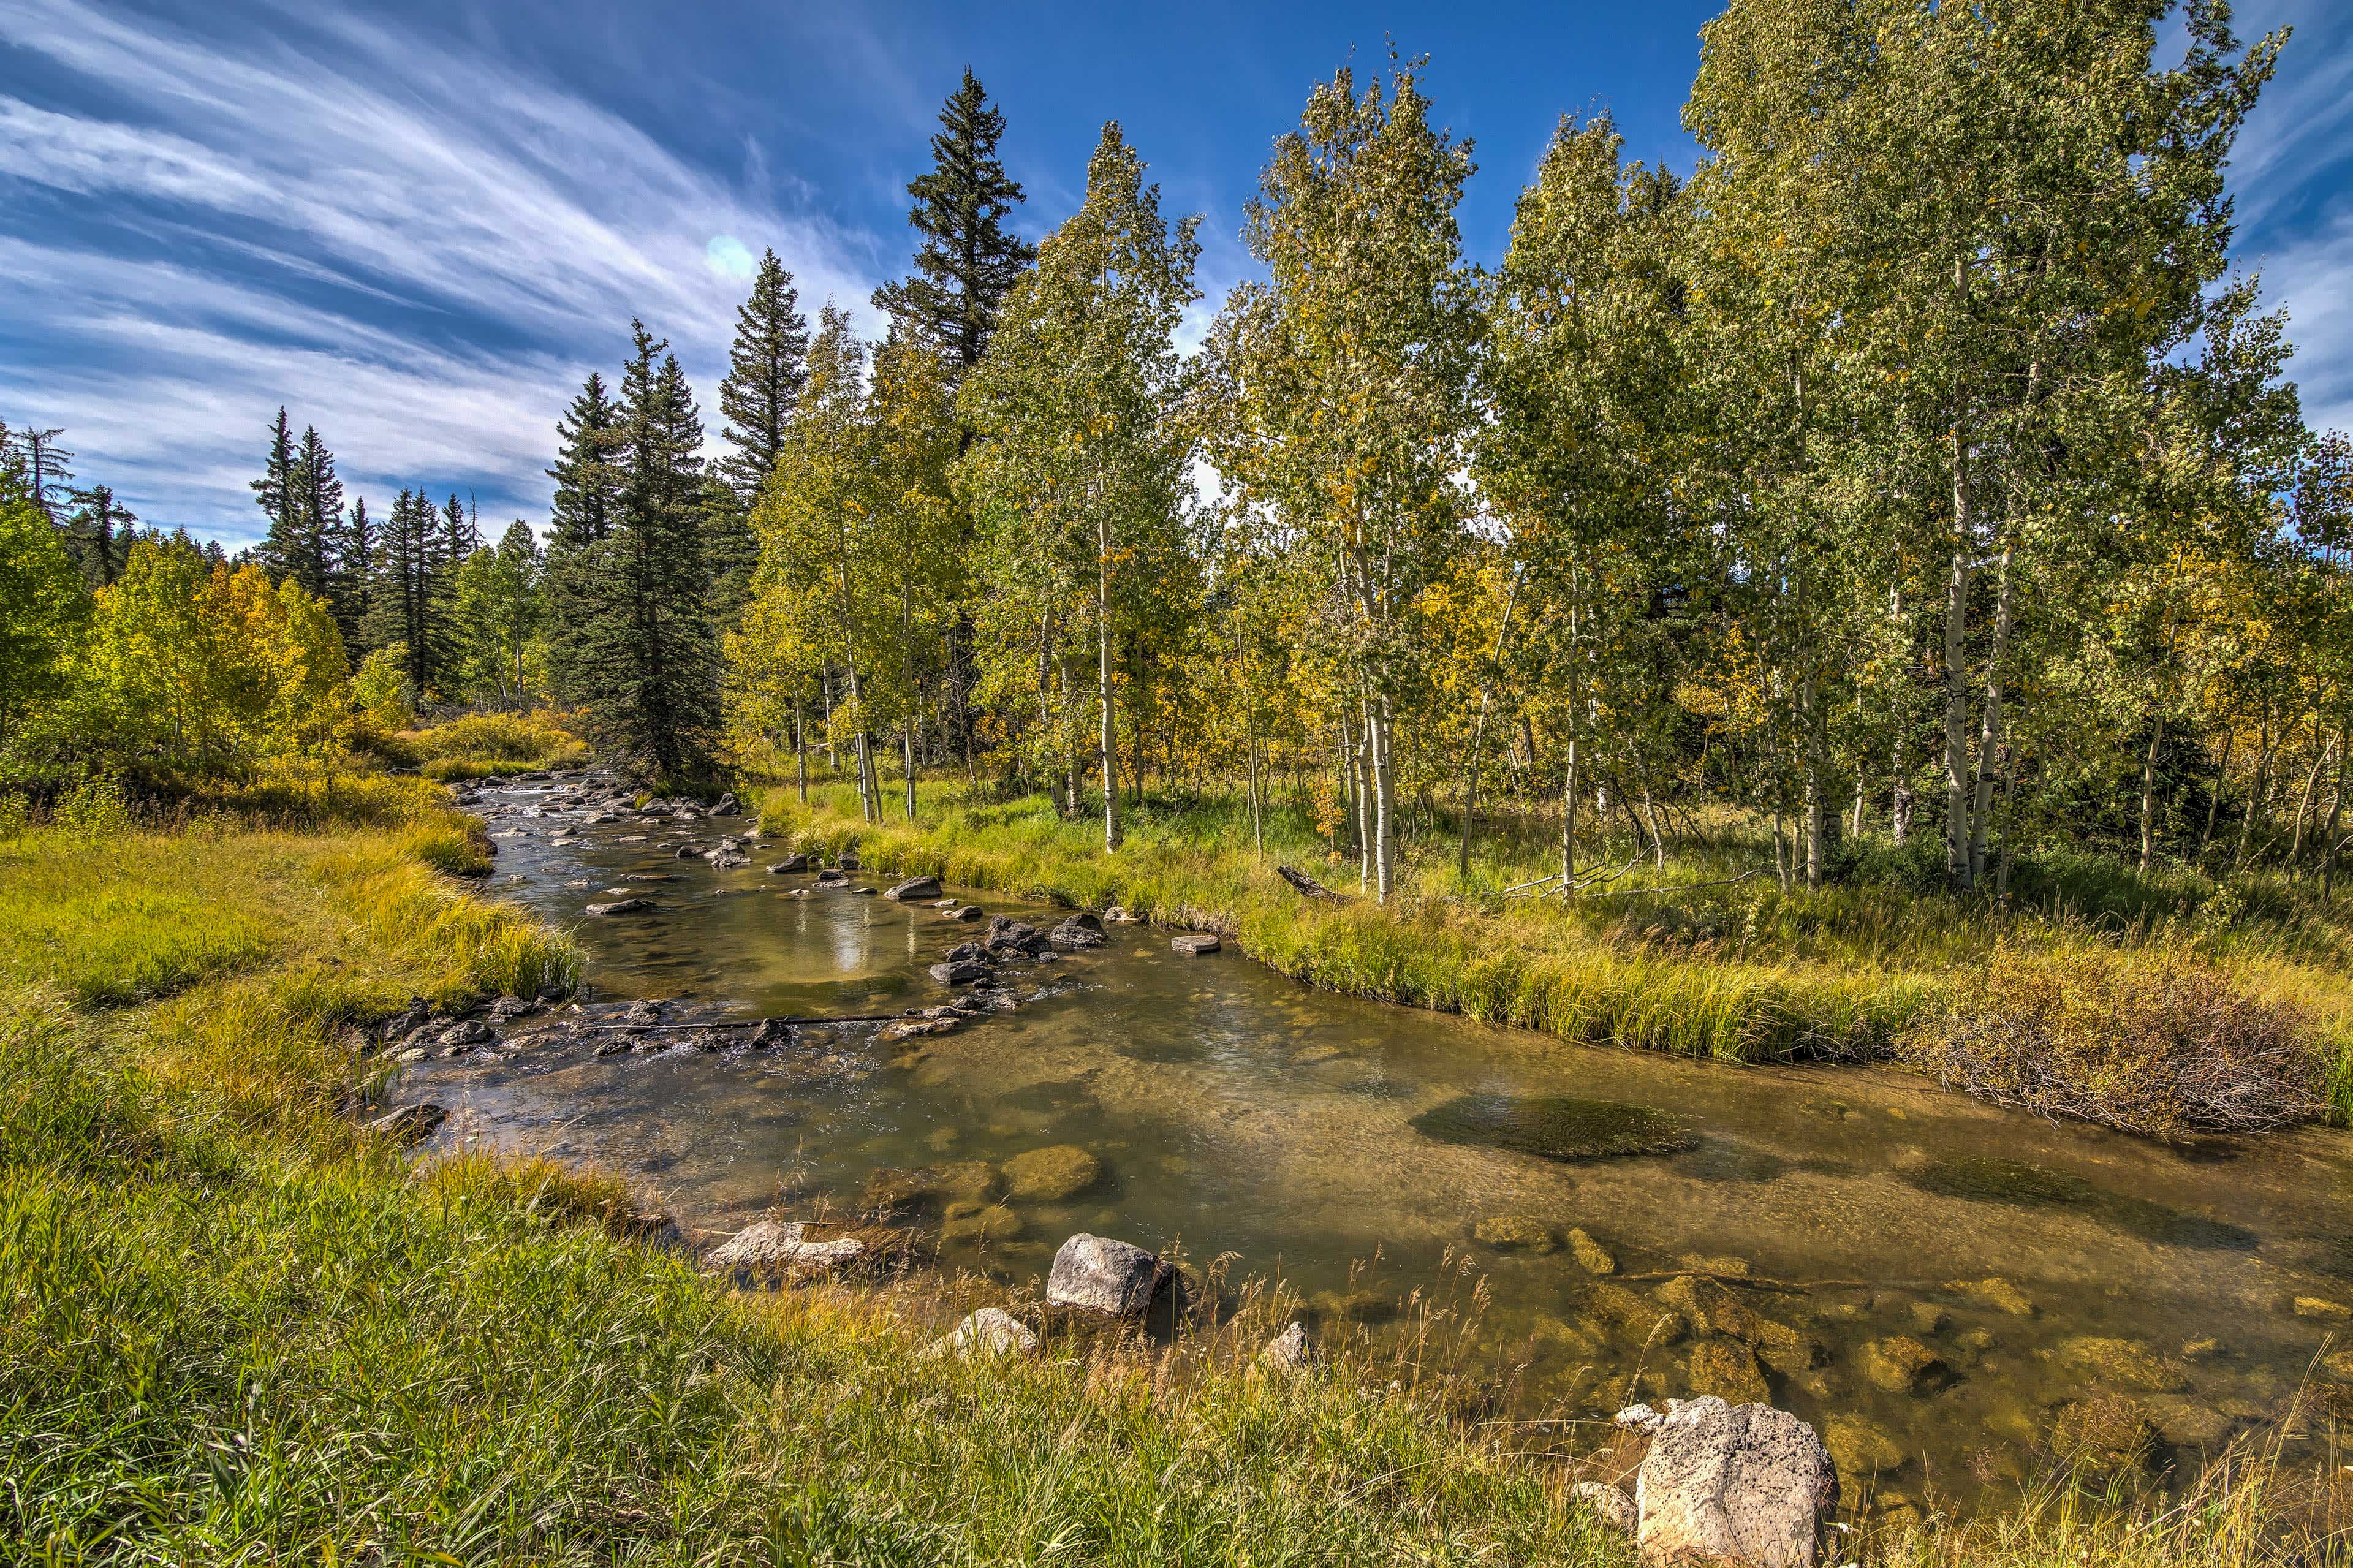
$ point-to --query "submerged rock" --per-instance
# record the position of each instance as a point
(1555, 1127)
(1739, 1483)
(1193, 944)
(1902, 1364)
(1727, 1369)
(621, 907)
(2121, 1364)
(1863, 1449)
(1051, 1175)
(1590, 1255)
(913, 1028)
(990, 1331)
(968, 1220)
(1516, 1233)
(1097, 1274)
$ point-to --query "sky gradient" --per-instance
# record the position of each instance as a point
(418, 227)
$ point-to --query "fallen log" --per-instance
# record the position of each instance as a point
(1304, 882)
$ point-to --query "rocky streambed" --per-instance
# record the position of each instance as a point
(1950, 1293)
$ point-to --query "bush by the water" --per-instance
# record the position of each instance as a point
(482, 744)
(2155, 1042)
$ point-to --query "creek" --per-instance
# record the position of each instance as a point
(1949, 1289)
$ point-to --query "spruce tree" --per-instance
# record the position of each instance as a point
(582, 518)
(90, 538)
(644, 655)
(763, 379)
(353, 575)
(967, 261)
(273, 492)
(314, 509)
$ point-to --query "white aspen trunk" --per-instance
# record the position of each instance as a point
(800, 753)
(1816, 762)
(1258, 824)
(2311, 792)
(1989, 738)
(1956, 689)
(1102, 674)
(2259, 787)
(1384, 802)
(2148, 796)
(1366, 788)
(907, 761)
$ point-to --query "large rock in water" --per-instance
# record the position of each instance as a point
(1080, 929)
(960, 971)
(788, 864)
(621, 907)
(768, 1246)
(1096, 1274)
(914, 888)
(1738, 1483)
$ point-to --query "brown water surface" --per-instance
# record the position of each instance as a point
(1961, 1288)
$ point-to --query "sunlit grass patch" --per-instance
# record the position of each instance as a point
(125, 919)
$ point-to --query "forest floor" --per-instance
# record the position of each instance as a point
(238, 1326)
(1707, 954)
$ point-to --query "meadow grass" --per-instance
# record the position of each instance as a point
(1705, 956)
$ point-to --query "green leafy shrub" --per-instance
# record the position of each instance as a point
(2158, 1042)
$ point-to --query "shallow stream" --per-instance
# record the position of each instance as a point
(1948, 1289)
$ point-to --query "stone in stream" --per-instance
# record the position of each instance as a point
(959, 972)
(410, 1123)
(1051, 1175)
(1118, 915)
(726, 806)
(1516, 1233)
(1727, 1369)
(966, 912)
(728, 860)
(1902, 1364)
(1555, 1127)
(790, 864)
(621, 907)
(846, 860)
(914, 888)
(832, 878)
(417, 1016)
(1287, 1350)
(1590, 1255)
(771, 1031)
(990, 1331)
(1097, 1274)
(1731, 1483)
(913, 1028)
(689, 850)
(770, 1247)
(472, 1032)
(1079, 930)
(1193, 944)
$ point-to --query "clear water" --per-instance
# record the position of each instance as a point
(1336, 1145)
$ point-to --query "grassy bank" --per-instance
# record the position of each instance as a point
(1703, 956)
(234, 1327)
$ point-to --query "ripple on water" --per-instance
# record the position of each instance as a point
(1555, 1126)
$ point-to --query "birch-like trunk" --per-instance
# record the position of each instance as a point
(1384, 799)
(1957, 681)
(801, 752)
(2148, 796)
(1103, 678)
(1989, 738)
(1478, 736)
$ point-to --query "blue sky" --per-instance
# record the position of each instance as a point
(418, 227)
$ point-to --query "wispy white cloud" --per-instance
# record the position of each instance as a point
(364, 165)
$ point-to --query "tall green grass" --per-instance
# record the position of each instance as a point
(1705, 956)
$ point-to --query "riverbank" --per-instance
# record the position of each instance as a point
(233, 1324)
(236, 1324)
(1713, 963)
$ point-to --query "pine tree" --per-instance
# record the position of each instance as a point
(353, 572)
(643, 651)
(582, 518)
(273, 492)
(90, 538)
(763, 379)
(967, 261)
(314, 509)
